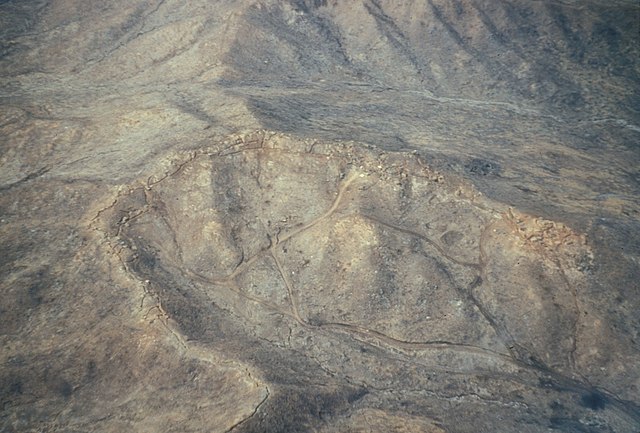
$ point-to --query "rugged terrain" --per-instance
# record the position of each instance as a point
(321, 216)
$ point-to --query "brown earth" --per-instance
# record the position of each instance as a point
(321, 216)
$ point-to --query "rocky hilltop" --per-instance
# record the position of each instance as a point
(265, 216)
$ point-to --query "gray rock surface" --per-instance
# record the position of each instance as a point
(263, 216)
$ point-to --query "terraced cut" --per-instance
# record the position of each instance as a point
(279, 251)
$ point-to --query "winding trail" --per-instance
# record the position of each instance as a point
(517, 357)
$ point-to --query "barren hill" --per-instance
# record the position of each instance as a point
(262, 216)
